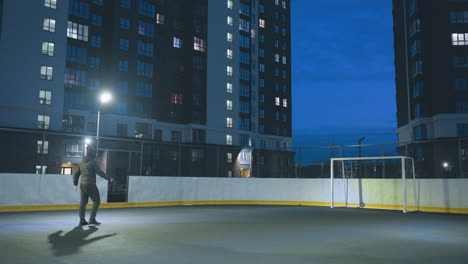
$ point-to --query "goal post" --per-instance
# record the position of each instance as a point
(375, 187)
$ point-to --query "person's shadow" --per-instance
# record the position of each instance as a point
(71, 242)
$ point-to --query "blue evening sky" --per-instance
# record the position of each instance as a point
(343, 72)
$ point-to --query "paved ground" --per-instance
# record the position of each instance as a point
(235, 234)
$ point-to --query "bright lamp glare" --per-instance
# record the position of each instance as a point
(87, 141)
(105, 97)
(445, 165)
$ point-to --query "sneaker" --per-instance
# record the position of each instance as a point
(83, 222)
(94, 222)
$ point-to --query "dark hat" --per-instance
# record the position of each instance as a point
(91, 153)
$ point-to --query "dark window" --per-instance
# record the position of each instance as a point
(157, 135)
(419, 132)
(176, 136)
(143, 130)
(198, 136)
(77, 54)
(147, 9)
(122, 130)
(462, 130)
(125, 3)
(78, 9)
(96, 20)
(1, 16)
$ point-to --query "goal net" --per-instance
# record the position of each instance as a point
(373, 182)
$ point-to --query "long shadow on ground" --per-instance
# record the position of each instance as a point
(71, 242)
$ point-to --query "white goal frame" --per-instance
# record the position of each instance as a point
(403, 174)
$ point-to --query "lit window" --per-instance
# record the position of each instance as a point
(229, 37)
(229, 157)
(230, 4)
(47, 73)
(277, 57)
(229, 105)
(261, 23)
(49, 24)
(228, 122)
(176, 98)
(284, 4)
(229, 53)
(43, 122)
(77, 31)
(229, 87)
(229, 70)
(228, 139)
(159, 19)
(285, 102)
(230, 21)
(198, 44)
(459, 39)
(42, 147)
(50, 3)
(284, 60)
(48, 48)
(276, 2)
(177, 43)
(277, 101)
(45, 97)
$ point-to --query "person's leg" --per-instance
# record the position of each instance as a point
(94, 195)
(83, 202)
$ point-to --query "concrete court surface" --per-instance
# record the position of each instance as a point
(235, 234)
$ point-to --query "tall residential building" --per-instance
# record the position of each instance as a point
(214, 72)
(431, 62)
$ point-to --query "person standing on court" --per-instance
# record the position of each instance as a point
(87, 169)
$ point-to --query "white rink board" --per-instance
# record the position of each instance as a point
(42, 189)
(449, 193)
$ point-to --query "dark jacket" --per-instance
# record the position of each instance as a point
(88, 169)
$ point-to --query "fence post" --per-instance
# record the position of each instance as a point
(141, 159)
(180, 159)
(258, 163)
(217, 162)
(42, 152)
(300, 162)
(460, 160)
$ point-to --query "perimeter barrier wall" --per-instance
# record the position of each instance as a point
(26, 190)
(30, 192)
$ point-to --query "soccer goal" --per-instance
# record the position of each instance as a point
(373, 182)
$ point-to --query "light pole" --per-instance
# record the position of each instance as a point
(104, 98)
(359, 143)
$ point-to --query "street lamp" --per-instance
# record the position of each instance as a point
(359, 143)
(87, 141)
(104, 98)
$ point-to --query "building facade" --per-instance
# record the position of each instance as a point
(431, 55)
(193, 72)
